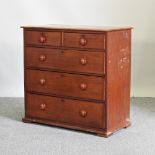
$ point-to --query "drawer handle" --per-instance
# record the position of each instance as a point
(42, 58)
(83, 113)
(83, 86)
(83, 41)
(43, 106)
(42, 39)
(83, 61)
(42, 81)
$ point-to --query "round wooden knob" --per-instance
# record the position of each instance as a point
(83, 61)
(42, 106)
(83, 41)
(42, 81)
(83, 86)
(83, 113)
(42, 58)
(42, 39)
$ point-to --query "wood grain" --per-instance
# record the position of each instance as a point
(78, 77)
(65, 84)
(48, 38)
(65, 110)
(118, 69)
(67, 60)
(84, 40)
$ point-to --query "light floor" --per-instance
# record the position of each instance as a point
(18, 138)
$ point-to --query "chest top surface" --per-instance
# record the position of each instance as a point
(78, 27)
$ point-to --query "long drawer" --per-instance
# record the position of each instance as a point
(65, 110)
(67, 60)
(88, 87)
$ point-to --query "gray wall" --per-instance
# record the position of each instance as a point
(139, 14)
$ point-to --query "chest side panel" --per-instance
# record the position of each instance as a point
(118, 79)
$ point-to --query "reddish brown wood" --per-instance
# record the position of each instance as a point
(83, 61)
(42, 58)
(42, 106)
(42, 81)
(70, 111)
(43, 38)
(83, 40)
(118, 69)
(90, 87)
(66, 125)
(83, 113)
(68, 60)
(78, 79)
(83, 86)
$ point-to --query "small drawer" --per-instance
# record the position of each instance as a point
(79, 86)
(42, 38)
(84, 40)
(65, 110)
(67, 60)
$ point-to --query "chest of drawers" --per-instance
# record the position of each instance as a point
(78, 77)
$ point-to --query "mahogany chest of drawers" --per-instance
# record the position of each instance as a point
(78, 77)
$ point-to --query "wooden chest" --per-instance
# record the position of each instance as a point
(78, 77)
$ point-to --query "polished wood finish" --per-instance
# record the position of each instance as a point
(84, 40)
(43, 38)
(67, 60)
(64, 110)
(78, 78)
(118, 69)
(89, 87)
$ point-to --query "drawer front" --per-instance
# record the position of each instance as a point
(65, 110)
(42, 38)
(68, 60)
(89, 87)
(94, 41)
